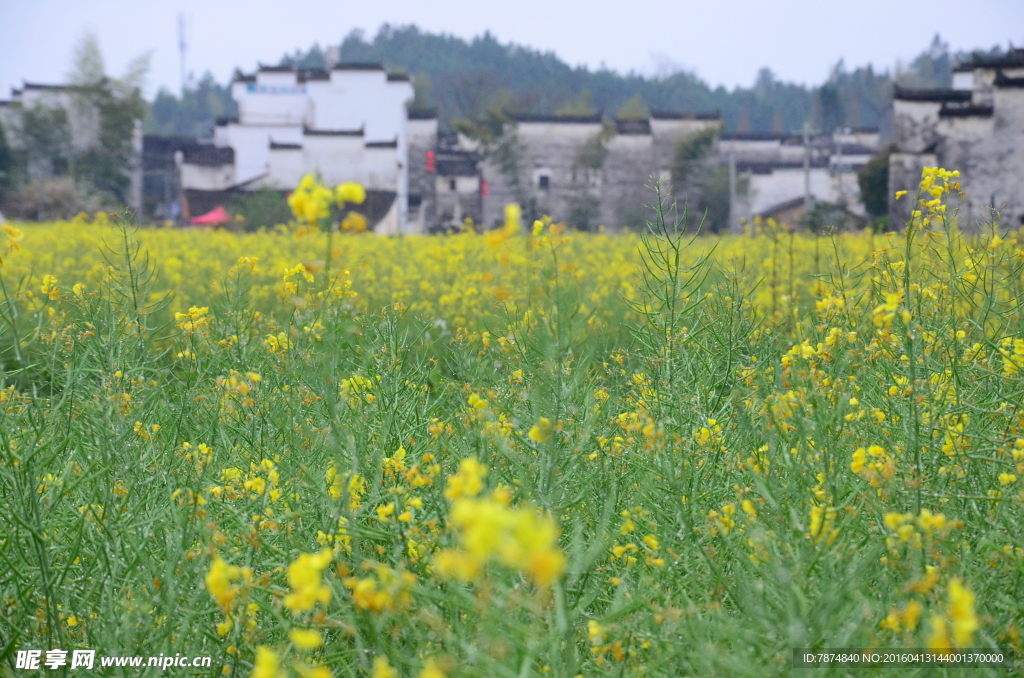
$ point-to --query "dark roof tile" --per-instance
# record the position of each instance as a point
(306, 131)
(565, 119)
(358, 66)
(932, 95)
(969, 111)
(681, 115)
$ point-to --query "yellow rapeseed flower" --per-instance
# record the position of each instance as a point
(305, 639)
(541, 431)
(304, 579)
(382, 668)
(267, 664)
(468, 482)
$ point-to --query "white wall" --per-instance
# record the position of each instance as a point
(285, 168)
(252, 146)
(784, 184)
(203, 178)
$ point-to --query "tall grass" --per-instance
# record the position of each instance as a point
(728, 481)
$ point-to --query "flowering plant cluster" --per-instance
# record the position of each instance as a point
(520, 452)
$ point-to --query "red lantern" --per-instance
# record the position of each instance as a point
(430, 162)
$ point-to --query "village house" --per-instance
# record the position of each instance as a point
(578, 169)
(349, 123)
(781, 173)
(584, 171)
(65, 125)
(976, 127)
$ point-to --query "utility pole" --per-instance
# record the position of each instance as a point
(734, 222)
(182, 46)
(807, 169)
(839, 163)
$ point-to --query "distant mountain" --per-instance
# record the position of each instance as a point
(463, 79)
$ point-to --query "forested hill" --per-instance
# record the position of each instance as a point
(463, 79)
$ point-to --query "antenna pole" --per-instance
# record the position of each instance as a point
(182, 47)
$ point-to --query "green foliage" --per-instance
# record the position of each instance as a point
(584, 211)
(8, 167)
(465, 74)
(592, 153)
(194, 112)
(830, 113)
(46, 136)
(105, 164)
(711, 197)
(582, 105)
(873, 179)
(633, 108)
(826, 217)
(690, 153)
(700, 463)
(263, 209)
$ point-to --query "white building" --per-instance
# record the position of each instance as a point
(82, 131)
(977, 127)
(346, 124)
(781, 171)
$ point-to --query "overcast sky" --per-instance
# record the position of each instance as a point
(723, 41)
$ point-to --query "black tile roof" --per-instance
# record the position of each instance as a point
(965, 111)
(312, 74)
(856, 149)
(54, 88)
(306, 131)
(932, 95)
(681, 115)
(421, 114)
(1013, 57)
(569, 119)
(275, 146)
(398, 77)
(636, 127)
(769, 167)
(758, 136)
(207, 155)
(1003, 80)
(456, 164)
(382, 144)
(358, 66)
(225, 121)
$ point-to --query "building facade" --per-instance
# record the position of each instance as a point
(72, 127)
(583, 169)
(349, 123)
(977, 127)
(779, 174)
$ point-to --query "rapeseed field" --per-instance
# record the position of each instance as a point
(526, 452)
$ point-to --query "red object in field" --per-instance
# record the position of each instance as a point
(430, 162)
(218, 215)
(483, 187)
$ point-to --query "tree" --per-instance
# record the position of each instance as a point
(8, 168)
(691, 152)
(830, 111)
(873, 179)
(194, 112)
(582, 104)
(633, 109)
(46, 138)
(117, 108)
